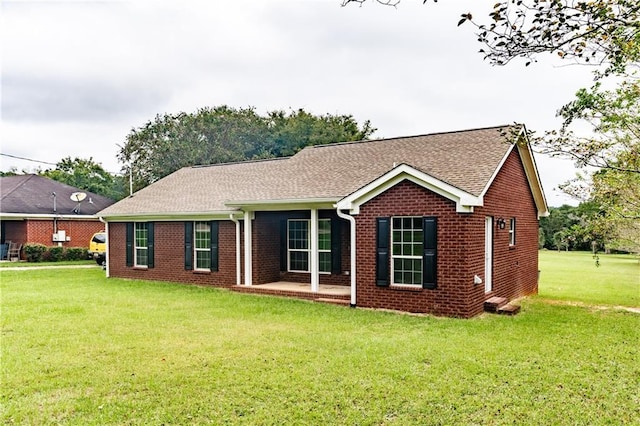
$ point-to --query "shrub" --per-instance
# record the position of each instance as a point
(34, 251)
(76, 253)
(56, 253)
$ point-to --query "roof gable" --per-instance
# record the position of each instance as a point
(464, 201)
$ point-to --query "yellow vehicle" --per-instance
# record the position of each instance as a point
(98, 247)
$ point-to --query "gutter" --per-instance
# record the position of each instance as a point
(48, 216)
(238, 258)
(352, 235)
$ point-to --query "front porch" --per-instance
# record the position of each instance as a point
(336, 294)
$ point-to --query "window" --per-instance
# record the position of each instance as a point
(324, 245)
(407, 250)
(141, 248)
(512, 231)
(202, 245)
(299, 247)
(201, 248)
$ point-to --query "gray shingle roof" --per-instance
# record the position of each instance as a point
(32, 194)
(465, 159)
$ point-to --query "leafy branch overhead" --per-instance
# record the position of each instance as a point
(594, 32)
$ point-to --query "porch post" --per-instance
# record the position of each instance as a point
(248, 271)
(313, 258)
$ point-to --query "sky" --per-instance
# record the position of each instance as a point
(78, 76)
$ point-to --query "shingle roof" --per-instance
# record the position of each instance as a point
(465, 159)
(33, 194)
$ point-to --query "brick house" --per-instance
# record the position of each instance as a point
(36, 209)
(436, 223)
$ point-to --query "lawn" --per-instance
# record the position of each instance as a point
(575, 276)
(83, 350)
(23, 264)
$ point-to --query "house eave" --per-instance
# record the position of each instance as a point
(172, 217)
(43, 216)
(465, 202)
(284, 204)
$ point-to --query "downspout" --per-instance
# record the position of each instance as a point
(352, 221)
(238, 257)
(106, 246)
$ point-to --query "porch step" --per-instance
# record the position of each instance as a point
(342, 302)
(500, 305)
(494, 303)
(509, 309)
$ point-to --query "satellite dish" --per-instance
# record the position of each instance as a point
(78, 196)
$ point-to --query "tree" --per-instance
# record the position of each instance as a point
(86, 174)
(223, 134)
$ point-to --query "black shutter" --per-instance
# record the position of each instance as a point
(283, 245)
(188, 246)
(336, 246)
(213, 227)
(430, 247)
(150, 245)
(383, 238)
(129, 239)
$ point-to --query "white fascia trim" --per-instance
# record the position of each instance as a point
(24, 216)
(172, 217)
(284, 204)
(530, 170)
(497, 170)
(465, 202)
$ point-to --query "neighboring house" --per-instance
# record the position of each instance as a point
(36, 209)
(436, 223)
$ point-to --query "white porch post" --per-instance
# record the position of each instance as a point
(313, 258)
(106, 254)
(248, 271)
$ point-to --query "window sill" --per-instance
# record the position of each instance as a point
(202, 271)
(512, 247)
(407, 287)
(140, 268)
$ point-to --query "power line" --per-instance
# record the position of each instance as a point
(27, 159)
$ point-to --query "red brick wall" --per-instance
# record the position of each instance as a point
(79, 232)
(169, 256)
(16, 231)
(515, 268)
(40, 231)
(453, 280)
(460, 247)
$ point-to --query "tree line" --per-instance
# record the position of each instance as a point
(209, 135)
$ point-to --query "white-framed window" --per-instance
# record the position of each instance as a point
(407, 242)
(202, 245)
(324, 245)
(141, 249)
(299, 247)
(512, 231)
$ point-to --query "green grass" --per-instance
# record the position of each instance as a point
(23, 264)
(574, 276)
(79, 349)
